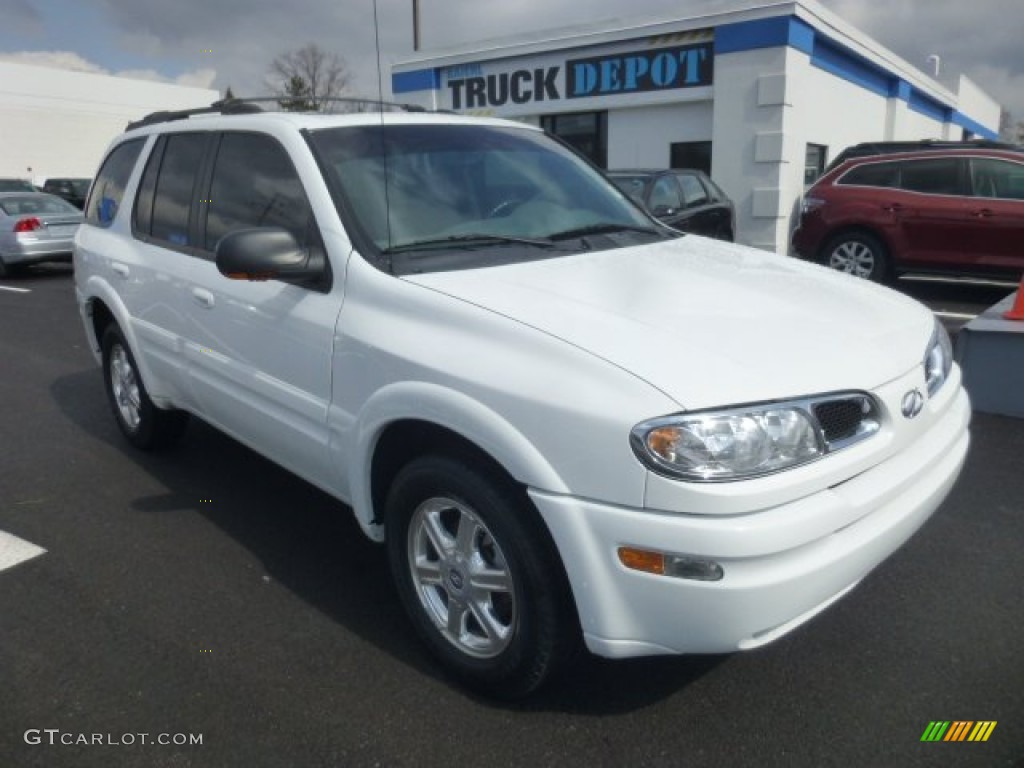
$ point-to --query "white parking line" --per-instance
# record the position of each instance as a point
(14, 550)
(15, 290)
(954, 315)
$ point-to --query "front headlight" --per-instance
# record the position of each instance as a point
(938, 359)
(748, 441)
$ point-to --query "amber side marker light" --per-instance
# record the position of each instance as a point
(678, 566)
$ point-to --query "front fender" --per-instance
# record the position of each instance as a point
(454, 411)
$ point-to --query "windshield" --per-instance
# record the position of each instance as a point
(473, 195)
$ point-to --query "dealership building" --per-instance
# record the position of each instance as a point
(58, 122)
(760, 97)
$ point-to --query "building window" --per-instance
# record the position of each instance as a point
(814, 162)
(694, 155)
(587, 132)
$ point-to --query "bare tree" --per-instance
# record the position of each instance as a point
(308, 78)
(1006, 127)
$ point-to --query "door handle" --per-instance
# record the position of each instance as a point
(119, 269)
(892, 207)
(983, 213)
(203, 297)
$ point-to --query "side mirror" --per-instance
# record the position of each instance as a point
(268, 253)
(661, 211)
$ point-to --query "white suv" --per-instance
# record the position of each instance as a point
(565, 420)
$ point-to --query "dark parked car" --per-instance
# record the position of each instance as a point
(72, 190)
(958, 212)
(686, 200)
(868, 148)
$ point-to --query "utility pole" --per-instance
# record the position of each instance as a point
(415, 25)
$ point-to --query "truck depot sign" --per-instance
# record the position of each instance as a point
(642, 71)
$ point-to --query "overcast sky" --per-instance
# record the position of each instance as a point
(217, 43)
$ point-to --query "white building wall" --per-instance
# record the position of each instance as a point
(975, 102)
(55, 122)
(911, 126)
(835, 112)
(752, 93)
(641, 137)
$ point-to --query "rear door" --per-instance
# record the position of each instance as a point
(707, 216)
(156, 271)
(932, 218)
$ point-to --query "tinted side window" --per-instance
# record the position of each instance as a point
(997, 179)
(175, 187)
(693, 191)
(665, 194)
(142, 222)
(873, 175)
(256, 185)
(937, 177)
(108, 190)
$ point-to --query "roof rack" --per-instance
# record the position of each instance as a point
(247, 105)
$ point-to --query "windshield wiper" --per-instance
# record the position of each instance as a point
(603, 229)
(469, 239)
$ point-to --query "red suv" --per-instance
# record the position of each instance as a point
(958, 212)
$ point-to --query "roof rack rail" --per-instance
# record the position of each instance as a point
(250, 105)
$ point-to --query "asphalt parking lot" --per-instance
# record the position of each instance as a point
(207, 592)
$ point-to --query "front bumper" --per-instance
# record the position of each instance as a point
(780, 568)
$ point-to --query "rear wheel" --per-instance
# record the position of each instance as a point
(857, 253)
(478, 576)
(145, 425)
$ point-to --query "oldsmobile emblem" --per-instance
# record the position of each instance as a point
(912, 403)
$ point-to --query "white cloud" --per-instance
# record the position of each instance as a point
(199, 78)
(55, 59)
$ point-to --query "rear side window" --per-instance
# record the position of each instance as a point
(872, 175)
(175, 186)
(108, 190)
(256, 185)
(939, 176)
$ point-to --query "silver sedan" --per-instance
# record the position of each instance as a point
(35, 227)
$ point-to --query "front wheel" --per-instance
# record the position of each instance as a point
(859, 254)
(478, 576)
(145, 425)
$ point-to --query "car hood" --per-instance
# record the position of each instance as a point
(709, 323)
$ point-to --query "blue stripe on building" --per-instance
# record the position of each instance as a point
(417, 80)
(764, 33)
(846, 65)
(839, 61)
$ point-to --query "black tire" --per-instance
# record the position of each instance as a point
(858, 253)
(146, 426)
(515, 627)
(5, 271)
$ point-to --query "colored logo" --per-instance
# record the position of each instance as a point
(958, 730)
